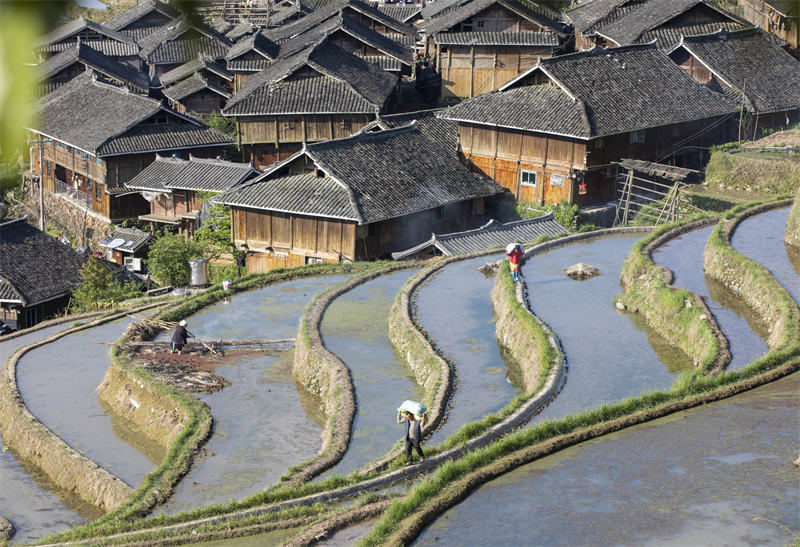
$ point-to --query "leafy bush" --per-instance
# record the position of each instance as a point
(99, 289)
(169, 259)
(563, 213)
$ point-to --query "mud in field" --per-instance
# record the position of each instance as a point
(608, 353)
(355, 328)
(278, 537)
(261, 428)
(455, 309)
(58, 382)
(716, 474)
(760, 237)
(684, 257)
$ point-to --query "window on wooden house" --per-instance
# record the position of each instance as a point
(466, 25)
(288, 126)
(598, 143)
(31, 317)
(346, 125)
(313, 260)
(479, 24)
(556, 180)
(99, 162)
(372, 229)
(69, 149)
(637, 136)
(89, 185)
(527, 178)
(97, 192)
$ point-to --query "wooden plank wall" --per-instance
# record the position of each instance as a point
(300, 128)
(472, 70)
(297, 235)
(503, 153)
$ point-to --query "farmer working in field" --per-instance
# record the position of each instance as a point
(413, 435)
(179, 337)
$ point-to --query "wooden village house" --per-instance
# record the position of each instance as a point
(118, 46)
(751, 69)
(553, 133)
(175, 188)
(90, 138)
(80, 58)
(480, 45)
(350, 199)
(317, 94)
(143, 18)
(614, 23)
(37, 274)
(250, 54)
(778, 17)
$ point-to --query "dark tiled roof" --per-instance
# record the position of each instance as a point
(139, 10)
(670, 172)
(80, 24)
(466, 10)
(191, 85)
(35, 267)
(615, 91)
(159, 137)
(169, 45)
(220, 25)
(667, 36)
(400, 12)
(112, 48)
(242, 29)
(345, 84)
(380, 176)
(381, 16)
(302, 25)
(595, 12)
(299, 194)
(101, 63)
(198, 174)
(133, 239)
(392, 173)
(389, 64)
(541, 108)
(248, 65)
(332, 9)
(195, 65)
(498, 38)
(257, 42)
(750, 60)
(489, 236)
(441, 132)
(86, 113)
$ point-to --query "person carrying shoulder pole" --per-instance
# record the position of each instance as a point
(179, 337)
(413, 435)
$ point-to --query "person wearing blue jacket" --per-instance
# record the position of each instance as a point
(413, 436)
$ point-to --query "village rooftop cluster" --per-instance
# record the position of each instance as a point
(361, 129)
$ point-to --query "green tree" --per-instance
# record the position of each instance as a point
(214, 234)
(169, 259)
(98, 288)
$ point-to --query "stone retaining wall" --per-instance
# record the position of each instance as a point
(752, 281)
(32, 441)
(84, 226)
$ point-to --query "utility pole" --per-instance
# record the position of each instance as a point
(41, 182)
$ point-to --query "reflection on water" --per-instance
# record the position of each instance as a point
(794, 257)
(684, 256)
(355, 328)
(673, 359)
(455, 308)
(608, 354)
(760, 237)
(707, 476)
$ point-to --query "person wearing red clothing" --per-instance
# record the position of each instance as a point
(514, 252)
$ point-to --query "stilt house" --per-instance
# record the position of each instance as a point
(94, 137)
(614, 23)
(350, 199)
(175, 188)
(479, 45)
(553, 133)
(751, 69)
(317, 94)
(778, 17)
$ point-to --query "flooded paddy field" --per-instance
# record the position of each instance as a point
(355, 328)
(58, 382)
(717, 474)
(684, 257)
(608, 352)
(760, 237)
(455, 309)
(264, 421)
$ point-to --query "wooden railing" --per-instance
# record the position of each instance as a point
(72, 193)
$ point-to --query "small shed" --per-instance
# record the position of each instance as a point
(127, 246)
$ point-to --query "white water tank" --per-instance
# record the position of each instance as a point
(199, 269)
